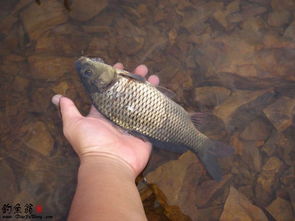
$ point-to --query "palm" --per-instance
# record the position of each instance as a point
(95, 135)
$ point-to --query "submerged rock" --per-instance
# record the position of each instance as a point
(256, 130)
(229, 108)
(211, 96)
(281, 113)
(38, 19)
(50, 67)
(238, 208)
(38, 138)
(281, 210)
(8, 181)
(268, 180)
(210, 189)
(177, 189)
(84, 10)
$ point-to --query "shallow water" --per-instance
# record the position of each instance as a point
(232, 59)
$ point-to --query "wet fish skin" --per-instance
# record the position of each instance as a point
(142, 110)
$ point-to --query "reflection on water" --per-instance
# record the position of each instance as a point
(233, 59)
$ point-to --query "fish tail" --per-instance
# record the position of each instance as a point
(209, 152)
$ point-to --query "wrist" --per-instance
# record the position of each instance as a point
(106, 163)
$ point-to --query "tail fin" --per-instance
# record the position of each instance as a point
(208, 154)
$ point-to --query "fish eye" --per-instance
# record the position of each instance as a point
(87, 73)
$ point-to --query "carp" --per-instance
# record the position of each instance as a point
(132, 103)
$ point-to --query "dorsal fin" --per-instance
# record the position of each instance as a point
(167, 92)
(132, 76)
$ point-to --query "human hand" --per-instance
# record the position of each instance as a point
(94, 136)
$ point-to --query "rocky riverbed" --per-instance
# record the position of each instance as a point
(233, 59)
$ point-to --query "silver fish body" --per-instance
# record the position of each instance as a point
(142, 110)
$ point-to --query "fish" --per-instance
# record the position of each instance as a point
(141, 109)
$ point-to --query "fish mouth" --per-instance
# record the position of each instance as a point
(80, 62)
(84, 60)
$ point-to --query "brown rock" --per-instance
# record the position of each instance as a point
(7, 182)
(281, 112)
(256, 130)
(238, 208)
(38, 19)
(270, 145)
(227, 109)
(279, 18)
(177, 191)
(130, 42)
(38, 138)
(252, 10)
(13, 64)
(286, 148)
(247, 190)
(68, 44)
(251, 158)
(61, 88)
(209, 189)
(211, 96)
(292, 197)
(96, 46)
(50, 67)
(281, 210)
(288, 179)
(290, 31)
(282, 4)
(20, 84)
(84, 10)
(268, 180)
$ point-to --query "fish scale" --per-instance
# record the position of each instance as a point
(140, 108)
(154, 115)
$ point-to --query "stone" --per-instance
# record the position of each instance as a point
(61, 88)
(285, 146)
(20, 84)
(96, 46)
(252, 10)
(177, 191)
(292, 197)
(270, 147)
(282, 4)
(50, 67)
(66, 44)
(13, 64)
(40, 101)
(39, 19)
(250, 159)
(231, 105)
(83, 10)
(279, 18)
(281, 112)
(247, 190)
(288, 179)
(268, 180)
(211, 96)
(281, 210)
(209, 189)
(238, 208)
(7, 182)
(256, 130)
(275, 62)
(290, 31)
(38, 138)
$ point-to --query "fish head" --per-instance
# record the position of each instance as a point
(95, 74)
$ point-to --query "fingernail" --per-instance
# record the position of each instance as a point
(56, 101)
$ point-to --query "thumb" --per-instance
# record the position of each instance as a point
(68, 109)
